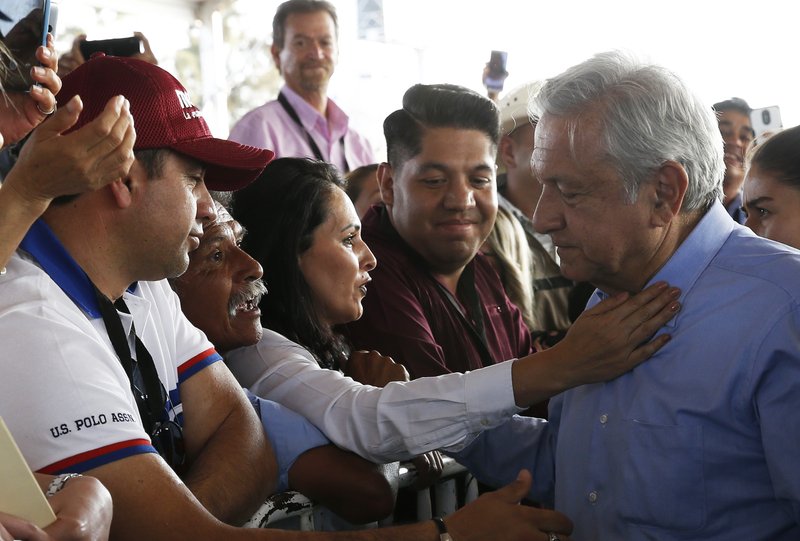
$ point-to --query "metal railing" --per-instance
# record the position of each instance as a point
(293, 511)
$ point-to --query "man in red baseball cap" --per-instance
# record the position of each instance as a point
(165, 117)
(107, 374)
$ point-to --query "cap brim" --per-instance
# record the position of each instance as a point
(230, 166)
(508, 125)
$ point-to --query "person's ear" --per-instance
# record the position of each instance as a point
(671, 185)
(505, 150)
(122, 192)
(276, 56)
(124, 189)
(386, 183)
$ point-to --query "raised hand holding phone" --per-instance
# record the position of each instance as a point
(495, 73)
(24, 26)
(136, 46)
(766, 121)
(23, 110)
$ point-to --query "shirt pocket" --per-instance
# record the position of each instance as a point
(662, 476)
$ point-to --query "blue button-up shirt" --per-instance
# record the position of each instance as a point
(702, 441)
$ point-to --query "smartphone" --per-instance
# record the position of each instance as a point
(24, 25)
(497, 63)
(112, 47)
(766, 121)
(496, 73)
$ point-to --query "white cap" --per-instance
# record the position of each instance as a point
(514, 106)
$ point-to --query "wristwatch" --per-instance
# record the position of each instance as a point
(58, 483)
(443, 535)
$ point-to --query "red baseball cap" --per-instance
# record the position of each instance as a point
(164, 117)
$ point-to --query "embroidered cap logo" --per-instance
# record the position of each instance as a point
(186, 103)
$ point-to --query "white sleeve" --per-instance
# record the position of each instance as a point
(397, 422)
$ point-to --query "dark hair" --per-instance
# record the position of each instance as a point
(298, 6)
(280, 211)
(437, 106)
(733, 104)
(354, 180)
(780, 156)
(152, 160)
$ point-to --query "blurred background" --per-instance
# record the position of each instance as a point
(219, 49)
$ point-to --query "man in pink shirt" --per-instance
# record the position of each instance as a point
(303, 122)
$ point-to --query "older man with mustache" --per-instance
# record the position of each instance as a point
(220, 292)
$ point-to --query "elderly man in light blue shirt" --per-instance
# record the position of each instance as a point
(702, 440)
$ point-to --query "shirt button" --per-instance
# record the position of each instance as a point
(603, 419)
(592, 497)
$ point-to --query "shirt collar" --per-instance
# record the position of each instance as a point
(42, 244)
(337, 120)
(693, 256)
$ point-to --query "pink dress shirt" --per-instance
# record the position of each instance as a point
(270, 126)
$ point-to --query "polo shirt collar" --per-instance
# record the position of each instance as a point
(42, 244)
(693, 256)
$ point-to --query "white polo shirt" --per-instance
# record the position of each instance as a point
(65, 395)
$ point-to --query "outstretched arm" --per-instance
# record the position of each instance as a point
(405, 419)
(605, 342)
(349, 485)
(150, 502)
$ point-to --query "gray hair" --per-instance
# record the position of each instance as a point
(647, 117)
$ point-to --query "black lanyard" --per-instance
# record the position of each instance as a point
(148, 391)
(314, 148)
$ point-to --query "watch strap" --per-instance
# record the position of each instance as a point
(442, 527)
(58, 483)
